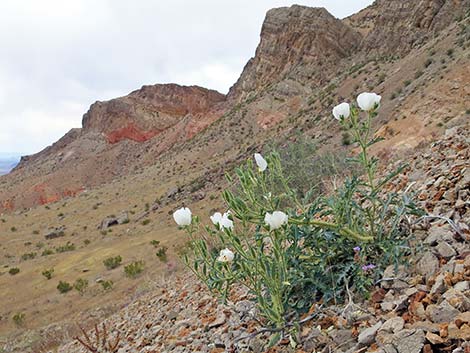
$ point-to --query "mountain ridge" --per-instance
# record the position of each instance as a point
(304, 55)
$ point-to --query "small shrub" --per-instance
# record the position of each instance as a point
(450, 52)
(64, 287)
(47, 252)
(13, 229)
(145, 222)
(13, 271)
(428, 62)
(407, 83)
(19, 319)
(112, 262)
(155, 243)
(64, 248)
(48, 273)
(80, 285)
(28, 256)
(161, 254)
(107, 285)
(134, 269)
(35, 232)
(87, 241)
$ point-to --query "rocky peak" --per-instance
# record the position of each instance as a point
(148, 111)
(292, 37)
(394, 27)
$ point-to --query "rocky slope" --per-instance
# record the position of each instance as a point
(423, 308)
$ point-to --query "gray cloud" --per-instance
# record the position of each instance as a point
(57, 57)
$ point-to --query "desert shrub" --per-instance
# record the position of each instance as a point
(107, 285)
(64, 287)
(28, 256)
(281, 247)
(13, 271)
(35, 232)
(161, 254)
(134, 269)
(155, 243)
(305, 168)
(87, 242)
(145, 222)
(48, 273)
(81, 285)
(19, 319)
(13, 229)
(112, 262)
(47, 252)
(64, 248)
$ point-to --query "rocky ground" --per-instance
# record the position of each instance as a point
(424, 307)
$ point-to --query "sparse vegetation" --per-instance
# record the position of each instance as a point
(107, 285)
(13, 271)
(145, 222)
(112, 262)
(155, 243)
(64, 248)
(64, 287)
(48, 273)
(19, 319)
(28, 256)
(81, 285)
(47, 252)
(134, 269)
(161, 254)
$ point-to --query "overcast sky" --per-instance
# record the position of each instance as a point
(59, 56)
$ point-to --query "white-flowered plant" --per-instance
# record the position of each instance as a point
(291, 253)
(341, 111)
(368, 101)
(182, 216)
(261, 162)
(276, 220)
(226, 255)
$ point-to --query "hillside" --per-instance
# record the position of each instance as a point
(141, 156)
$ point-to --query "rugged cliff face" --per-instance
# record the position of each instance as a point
(307, 61)
(394, 27)
(298, 42)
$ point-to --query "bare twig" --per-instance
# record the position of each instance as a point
(454, 226)
(101, 341)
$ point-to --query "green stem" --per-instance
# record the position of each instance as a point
(341, 230)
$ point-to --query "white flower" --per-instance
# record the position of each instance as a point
(341, 111)
(223, 221)
(261, 162)
(182, 216)
(276, 220)
(367, 101)
(226, 222)
(226, 255)
(216, 218)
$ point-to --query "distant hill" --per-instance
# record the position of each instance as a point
(7, 163)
